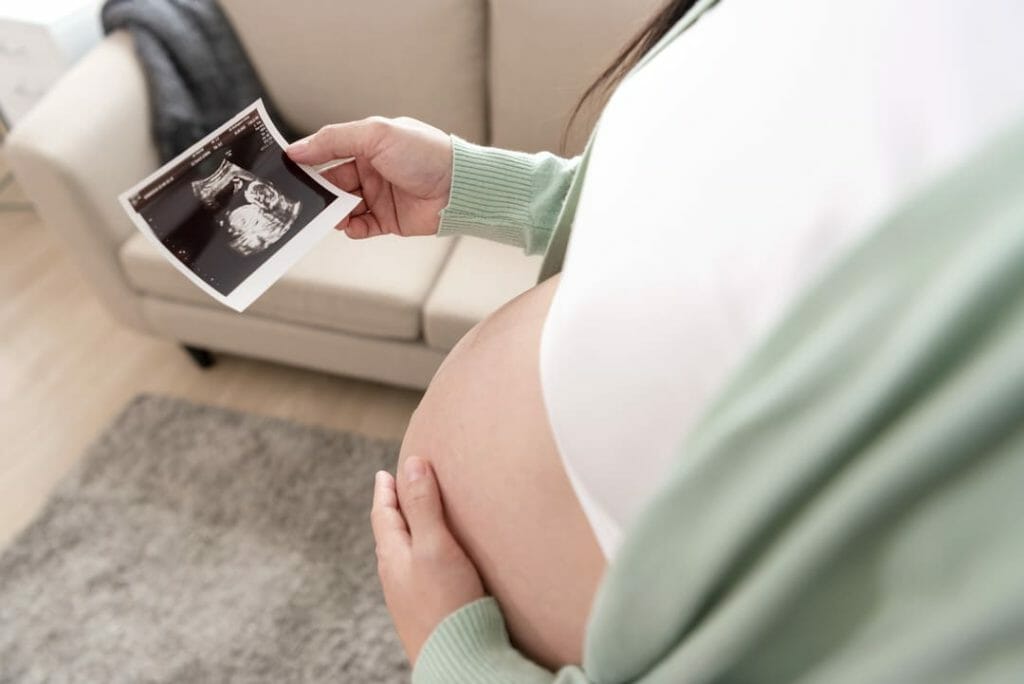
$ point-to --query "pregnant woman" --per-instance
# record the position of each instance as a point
(759, 421)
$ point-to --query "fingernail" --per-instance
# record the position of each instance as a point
(298, 145)
(414, 469)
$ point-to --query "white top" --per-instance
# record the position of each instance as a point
(726, 174)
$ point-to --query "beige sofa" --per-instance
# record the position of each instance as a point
(502, 72)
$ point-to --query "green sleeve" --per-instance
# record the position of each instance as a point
(506, 196)
(471, 646)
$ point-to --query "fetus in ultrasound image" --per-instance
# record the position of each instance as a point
(252, 210)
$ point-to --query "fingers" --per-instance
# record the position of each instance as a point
(363, 226)
(345, 176)
(420, 501)
(337, 141)
(385, 518)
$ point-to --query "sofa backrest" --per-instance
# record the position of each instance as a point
(324, 61)
(543, 54)
(504, 72)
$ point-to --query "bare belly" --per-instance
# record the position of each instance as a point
(483, 425)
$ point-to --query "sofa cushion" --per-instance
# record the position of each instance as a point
(480, 276)
(373, 287)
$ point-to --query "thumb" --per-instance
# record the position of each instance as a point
(420, 500)
(338, 141)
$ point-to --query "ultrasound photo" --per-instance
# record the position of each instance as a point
(233, 212)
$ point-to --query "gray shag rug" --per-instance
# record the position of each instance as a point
(195, 544)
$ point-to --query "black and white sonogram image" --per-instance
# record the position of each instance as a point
(254, 213)
(231, 204)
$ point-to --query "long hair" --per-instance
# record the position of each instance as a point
(632, 53)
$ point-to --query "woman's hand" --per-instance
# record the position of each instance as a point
(402, 170)
(424, 572)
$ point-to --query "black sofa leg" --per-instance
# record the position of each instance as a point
(202, 357)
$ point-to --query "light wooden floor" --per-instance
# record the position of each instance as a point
(66, 369)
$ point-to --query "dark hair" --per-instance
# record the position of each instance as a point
(632, 53)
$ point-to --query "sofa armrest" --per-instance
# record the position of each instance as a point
(84, 143)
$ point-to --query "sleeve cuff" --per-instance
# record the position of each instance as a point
(507, 196)
(472, 645)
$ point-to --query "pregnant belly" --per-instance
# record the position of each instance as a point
(483, 425)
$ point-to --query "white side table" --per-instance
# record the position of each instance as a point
(39, 40)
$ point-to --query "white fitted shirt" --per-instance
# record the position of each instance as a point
(726, 175)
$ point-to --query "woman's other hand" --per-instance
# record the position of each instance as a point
(423, 570)
(402, 170)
